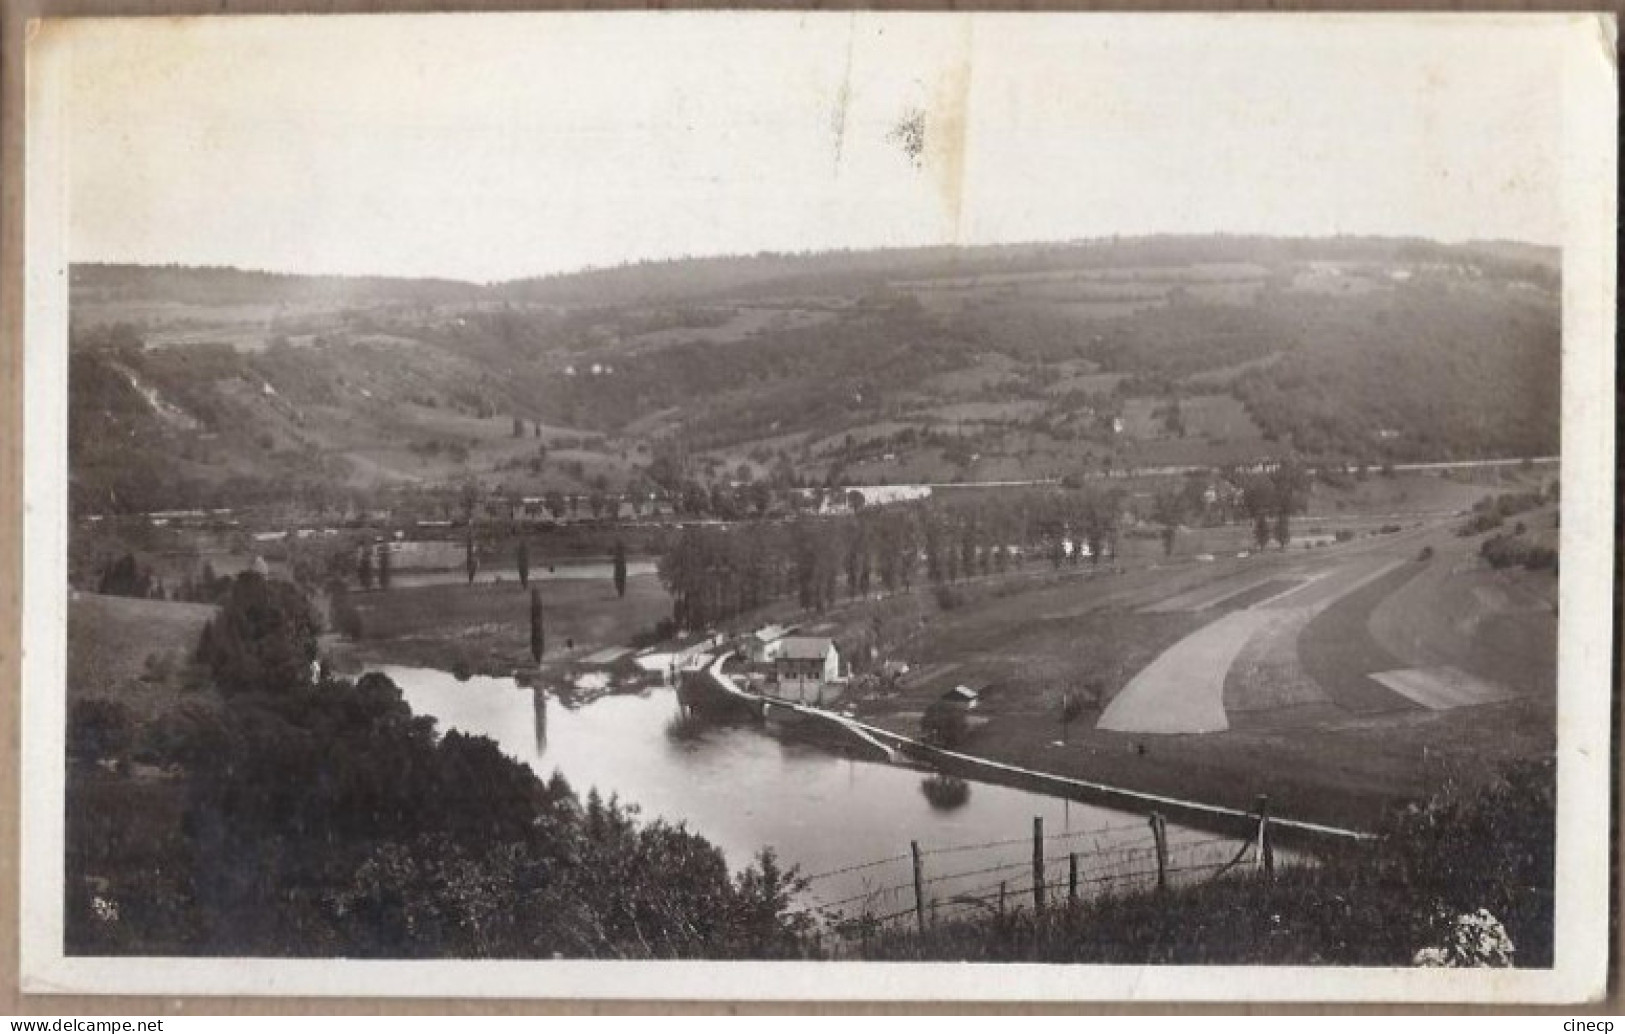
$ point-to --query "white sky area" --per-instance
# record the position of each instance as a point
(488, 147)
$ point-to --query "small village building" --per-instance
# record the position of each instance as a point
(806, 659)
(764, 645)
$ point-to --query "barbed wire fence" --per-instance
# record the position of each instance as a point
(933, 888)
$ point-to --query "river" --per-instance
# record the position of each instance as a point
(744, 789)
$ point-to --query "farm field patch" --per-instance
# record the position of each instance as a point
(1339, 652)
(135, 653)
(1441, 688)
(486, 625)
(1182, 691)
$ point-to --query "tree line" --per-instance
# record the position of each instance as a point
(714, 573)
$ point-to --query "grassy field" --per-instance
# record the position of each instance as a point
(1308, 726)
(123, 648)
(486, 626)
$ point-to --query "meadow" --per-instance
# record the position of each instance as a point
(484, 628)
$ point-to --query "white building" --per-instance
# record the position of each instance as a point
(808, 660)
(765, 644)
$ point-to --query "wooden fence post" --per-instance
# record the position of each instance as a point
(1038, 865)
(1072, 877)
(1001, 899)
(919, 885)
(1159, 835)
(1266, 850)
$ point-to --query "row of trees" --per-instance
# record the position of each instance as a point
(716, 573)
(128, 576)
(1269, 499)
(374, 561)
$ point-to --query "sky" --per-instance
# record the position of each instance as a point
(489, 147)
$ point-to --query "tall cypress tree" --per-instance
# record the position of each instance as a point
(385, 566)
(537, 641)
(620, 569)
(522, 563)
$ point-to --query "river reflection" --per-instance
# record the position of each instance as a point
(744, 790)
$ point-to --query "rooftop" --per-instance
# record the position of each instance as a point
(801, 648)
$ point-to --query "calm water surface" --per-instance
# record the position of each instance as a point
(744, 789)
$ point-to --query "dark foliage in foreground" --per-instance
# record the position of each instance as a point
(297, 817)
(1375, 906)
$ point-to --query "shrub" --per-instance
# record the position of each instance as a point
(263, 640)
(346, 618)
(1503, 551)
(98, 728)
(945, 792)
(1425, 555)
(949, 598)
(1479, 524)
(944, 725)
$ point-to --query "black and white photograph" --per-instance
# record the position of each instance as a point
(754, 505)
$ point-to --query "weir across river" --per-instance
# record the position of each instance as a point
(712, 686)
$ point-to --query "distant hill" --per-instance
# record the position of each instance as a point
(848, 271)
(940, 364)
(756, 275)
(220, 285)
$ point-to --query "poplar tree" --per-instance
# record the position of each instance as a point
(620, 569)
(537, 641)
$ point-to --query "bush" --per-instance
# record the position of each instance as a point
(346, 618)
(263, 640)
(949, 598)
(945, 792)
(98, 728)
(1479, 524)
(1425, 555)
(944, 725)
(663, 630)
(1502, 551)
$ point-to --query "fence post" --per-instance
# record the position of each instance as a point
(1072, 877)
(1001, 899)
(1159, 834)
(1038, 864)
(1266, 850)
(919, 885)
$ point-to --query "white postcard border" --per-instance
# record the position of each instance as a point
(1584, 728)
